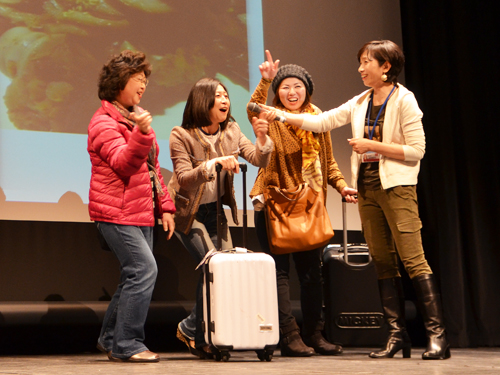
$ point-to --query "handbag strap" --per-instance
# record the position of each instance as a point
(301, 190)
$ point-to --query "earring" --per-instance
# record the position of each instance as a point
(384, 77)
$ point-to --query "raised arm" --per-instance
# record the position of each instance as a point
(268, 71)
(124, 157)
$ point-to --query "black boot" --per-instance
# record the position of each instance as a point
(291, 343)
(432, 313)
(320, 344)
(393, 303)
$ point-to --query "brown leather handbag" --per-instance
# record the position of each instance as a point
(296, 220)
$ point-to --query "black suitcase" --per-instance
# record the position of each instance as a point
(354, 315)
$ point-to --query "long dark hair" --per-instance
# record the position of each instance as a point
(118, 70)
(200, 101)
(382, 51)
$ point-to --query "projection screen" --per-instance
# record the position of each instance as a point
(51, 52)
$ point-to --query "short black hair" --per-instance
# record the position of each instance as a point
(382, 51)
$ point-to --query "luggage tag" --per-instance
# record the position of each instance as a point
(207, 256)
(263, 326)
(370, 157)
(241, 250)
(212, 252)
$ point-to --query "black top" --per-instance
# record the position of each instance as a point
(369, 177)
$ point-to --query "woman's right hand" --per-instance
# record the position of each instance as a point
(261, 126)
(294, 119)
(268, 69)
(143, 121)
(350, 194)
(229, 163)
(271, 112)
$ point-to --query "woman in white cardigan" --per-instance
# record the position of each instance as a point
(388, 143)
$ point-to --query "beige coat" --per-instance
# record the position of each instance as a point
(190, 152)
(402, 126)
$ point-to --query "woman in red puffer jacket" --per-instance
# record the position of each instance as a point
(127, 195)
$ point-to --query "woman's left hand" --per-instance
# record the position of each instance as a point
(168, 224)
(261, 126)
(268, 69)
(361, 145)
(350, 194)
(143, 121)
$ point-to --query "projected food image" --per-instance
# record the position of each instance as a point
(52, 51)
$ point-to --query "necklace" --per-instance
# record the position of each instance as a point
(205, 130)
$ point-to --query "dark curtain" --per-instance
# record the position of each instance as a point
(452, 66)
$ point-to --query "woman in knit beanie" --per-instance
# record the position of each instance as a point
(298, 157)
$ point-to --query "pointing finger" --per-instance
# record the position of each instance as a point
(269, 57)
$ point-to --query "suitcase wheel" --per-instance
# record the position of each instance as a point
(265, 355)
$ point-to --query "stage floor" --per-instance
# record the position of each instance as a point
(353, 361)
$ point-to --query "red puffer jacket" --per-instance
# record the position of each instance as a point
(120, 186)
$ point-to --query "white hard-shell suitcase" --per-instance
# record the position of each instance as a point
(240, 301)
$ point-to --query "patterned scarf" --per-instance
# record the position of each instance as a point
(152, 152)
(311, 166)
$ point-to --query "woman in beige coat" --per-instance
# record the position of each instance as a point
(208, 135)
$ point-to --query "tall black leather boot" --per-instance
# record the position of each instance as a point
(430, 305)
(393, 303)
(291, 343)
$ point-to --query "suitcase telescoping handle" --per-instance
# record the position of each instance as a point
(344, 229)
(220, 219)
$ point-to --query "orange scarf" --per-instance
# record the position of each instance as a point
(310, 145)
(311, 167)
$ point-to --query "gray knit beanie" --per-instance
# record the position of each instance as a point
(292, 70)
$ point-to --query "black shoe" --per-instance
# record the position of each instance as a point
(321, 345)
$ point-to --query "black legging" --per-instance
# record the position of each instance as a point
(308, 266)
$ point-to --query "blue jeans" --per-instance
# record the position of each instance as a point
(201, 239)
(123, 326)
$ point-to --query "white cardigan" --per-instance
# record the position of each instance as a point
(402, 125)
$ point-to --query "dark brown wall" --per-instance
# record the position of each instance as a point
(38, 259)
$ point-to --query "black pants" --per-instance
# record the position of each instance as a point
(308, 266)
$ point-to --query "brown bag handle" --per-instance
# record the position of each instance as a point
(301, 190)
